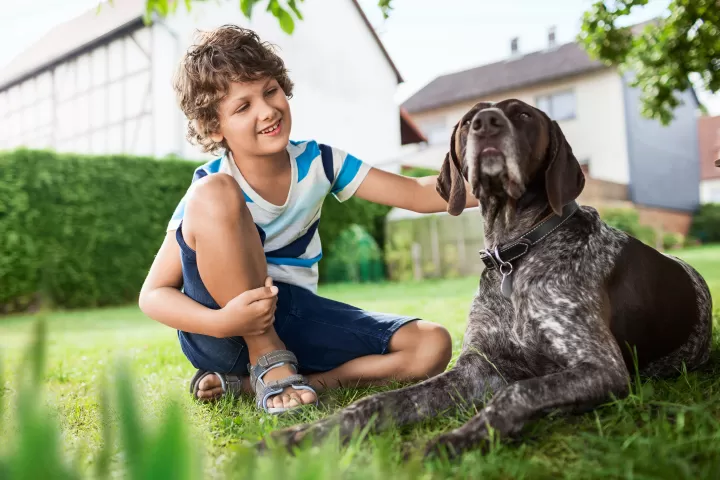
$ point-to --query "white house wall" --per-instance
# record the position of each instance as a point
(344, 86)
(710, 191)
(597, 133)
(98, 102)
(119, 98)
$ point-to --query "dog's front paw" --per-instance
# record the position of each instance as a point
(287, 437)
(447, 446)
(453, 444)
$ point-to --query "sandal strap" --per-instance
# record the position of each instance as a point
(230, 383)
(269, 361)
(276, 387)
(287, 382)
(277, 356)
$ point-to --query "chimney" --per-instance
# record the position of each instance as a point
(551, 37)
(514, 46)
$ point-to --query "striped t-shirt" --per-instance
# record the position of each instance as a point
(289, 233)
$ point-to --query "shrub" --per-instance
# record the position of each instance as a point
(419, 172)
(337, 217)
(356, 257)
(706, 223)
(82, 231)
(628, 220)
(673, 241)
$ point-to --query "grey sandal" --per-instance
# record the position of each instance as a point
(229, 382)
(263, 390)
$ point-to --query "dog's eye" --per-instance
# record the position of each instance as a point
(524, 115)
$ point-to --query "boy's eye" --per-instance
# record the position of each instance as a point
(271, 91)
(242, 108)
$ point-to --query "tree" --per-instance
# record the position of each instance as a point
(283, 11)
(664, 55)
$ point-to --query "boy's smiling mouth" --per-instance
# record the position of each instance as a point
(272, 130)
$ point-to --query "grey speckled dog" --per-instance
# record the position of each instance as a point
(562, 299)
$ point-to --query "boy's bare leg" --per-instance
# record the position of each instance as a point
(230, 259)
(418, 350)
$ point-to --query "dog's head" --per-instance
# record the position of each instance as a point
(501, 149)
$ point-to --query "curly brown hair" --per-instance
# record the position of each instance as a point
(221, 56)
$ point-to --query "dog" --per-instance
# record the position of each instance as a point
(566, 308)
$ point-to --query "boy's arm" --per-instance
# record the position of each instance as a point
(415, 194)
(250, 313)
(162, 300)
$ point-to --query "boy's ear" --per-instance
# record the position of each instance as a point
(216, 137)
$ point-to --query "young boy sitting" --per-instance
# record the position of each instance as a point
(243, 244)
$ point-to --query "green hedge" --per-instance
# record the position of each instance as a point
(706, 223)
(80, 231)
(336, 217)
(628, 220)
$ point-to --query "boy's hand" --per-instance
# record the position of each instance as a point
(250, 313)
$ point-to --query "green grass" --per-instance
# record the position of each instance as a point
(665, 429)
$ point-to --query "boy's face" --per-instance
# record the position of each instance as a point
(254, 118)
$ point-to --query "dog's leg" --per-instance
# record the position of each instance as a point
(579, 361)
(467, 382)
(582, 386)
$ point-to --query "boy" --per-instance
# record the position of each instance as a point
(243, 244)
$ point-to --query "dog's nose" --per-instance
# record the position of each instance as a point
(488, 123)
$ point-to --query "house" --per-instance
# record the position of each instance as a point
(628, 160)
(709, 140)
(101, 83)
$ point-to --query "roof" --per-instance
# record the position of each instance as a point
(409, 131)
(524, 71)
(72, 37)
(94, 27)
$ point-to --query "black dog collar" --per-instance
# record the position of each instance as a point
(502, 256)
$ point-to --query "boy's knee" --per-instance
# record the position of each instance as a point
(216, 197)
(433, 351)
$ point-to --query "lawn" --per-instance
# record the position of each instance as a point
(665, 429)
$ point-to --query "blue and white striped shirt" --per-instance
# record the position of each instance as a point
(289, 233)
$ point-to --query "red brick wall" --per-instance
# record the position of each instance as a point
(665, 220)
(709, 143)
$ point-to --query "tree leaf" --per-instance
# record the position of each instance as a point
(246, 7)
(286, 21)
(274, 7)
(664, 55)
(385, 7)
(293, 6)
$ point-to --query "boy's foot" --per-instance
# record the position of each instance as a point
(210, 388)
(290, 397)
(278, 370)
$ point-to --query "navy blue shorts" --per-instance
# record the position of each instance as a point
(322, 333)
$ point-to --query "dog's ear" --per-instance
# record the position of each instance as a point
(564, 179)
(451, 183)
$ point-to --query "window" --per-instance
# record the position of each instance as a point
(559, 106)
(714, 195)
(436, 131)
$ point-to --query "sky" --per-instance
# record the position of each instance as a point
(425, 38)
